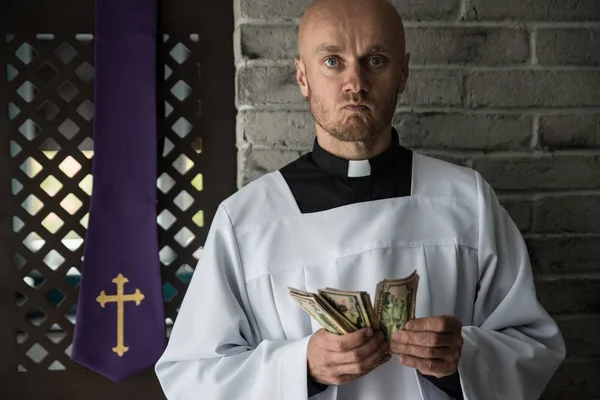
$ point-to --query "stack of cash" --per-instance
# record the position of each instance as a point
(345, 311)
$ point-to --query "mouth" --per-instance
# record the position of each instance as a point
(356, 108)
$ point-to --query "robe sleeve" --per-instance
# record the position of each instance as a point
(513, 347)
(448, 384)
(215, 350)
(314, 387)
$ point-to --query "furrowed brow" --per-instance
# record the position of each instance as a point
(328, 48)
(378, 48)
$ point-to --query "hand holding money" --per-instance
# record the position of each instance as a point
(342, 312)
(337, 359)
(430, 345)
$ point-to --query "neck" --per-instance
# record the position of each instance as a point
(355, 150)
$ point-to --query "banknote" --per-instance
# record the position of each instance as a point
(369, 306)
(323, 312)
(354, 305)
(395, 301)
(344, 311)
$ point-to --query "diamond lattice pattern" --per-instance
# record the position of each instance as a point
(51, 114)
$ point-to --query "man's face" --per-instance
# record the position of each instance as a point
(353, 68)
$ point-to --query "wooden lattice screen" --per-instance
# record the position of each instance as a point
(46, 152)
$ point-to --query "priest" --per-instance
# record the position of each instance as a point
(357, 209)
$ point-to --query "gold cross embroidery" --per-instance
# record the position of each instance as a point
(120, 298)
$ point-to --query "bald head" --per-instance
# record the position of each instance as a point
(377, 17)
(351, 67)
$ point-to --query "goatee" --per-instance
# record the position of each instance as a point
(361, 127)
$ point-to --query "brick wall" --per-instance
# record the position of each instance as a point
(508, 87)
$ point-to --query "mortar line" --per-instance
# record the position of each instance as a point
(536, 194)
(526, 153)
(444, 24)
(541, 236)
(418, 109)
(549, 277)
(533, 46)
(567, 317)
(462, 10)
(289, 62)
(535, 129)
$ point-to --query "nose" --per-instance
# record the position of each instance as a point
(356, 79)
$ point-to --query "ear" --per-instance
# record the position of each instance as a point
(404, 76)
(301, 76)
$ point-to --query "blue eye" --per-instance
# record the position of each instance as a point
(334, 64)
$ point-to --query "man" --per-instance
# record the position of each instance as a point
(357, 209)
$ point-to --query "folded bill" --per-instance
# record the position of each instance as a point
(318, 308)
(344, 311)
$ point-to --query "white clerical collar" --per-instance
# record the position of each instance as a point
(359, 168)
(380, 164)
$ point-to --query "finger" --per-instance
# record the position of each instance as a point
(441, 353)
(365, 365)
(437, 368)
(349, 377)
(428, 339)
(322, 337)
(343, 379)
(441, 324)
(375, 344)
(348, 341)
(385, 359)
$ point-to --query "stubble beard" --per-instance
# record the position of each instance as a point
(355, 128)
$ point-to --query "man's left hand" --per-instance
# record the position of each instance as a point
(430, 345)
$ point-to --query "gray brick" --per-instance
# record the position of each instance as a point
(569, 295)
(489, 46)
(533, 88)
(564, 254)
(250, 83)
(493, 46)
(461, 131)
(533, 10)
(570, 131)
(567, 213)
(253, 163)
(260, 85)
(581, 335)
(575, 379)
(268, 41)
(267, 9)
(521, 212)
(569, 46)
(433, 87)
(415, 10)
(540, 172)
(281, 129)
(449, 156)
(419, 10)
(268, 85)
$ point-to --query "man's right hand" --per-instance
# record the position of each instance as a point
(338, 359)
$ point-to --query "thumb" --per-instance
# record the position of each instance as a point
(363, 334)
(360, 336)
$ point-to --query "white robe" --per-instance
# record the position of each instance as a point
(239, 335)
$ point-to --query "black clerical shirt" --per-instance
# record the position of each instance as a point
(320, 181)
